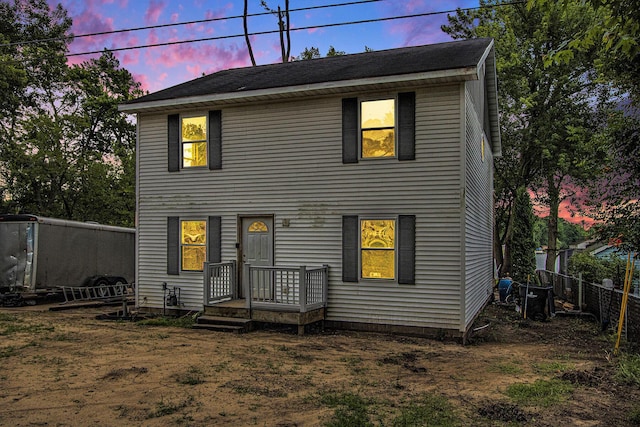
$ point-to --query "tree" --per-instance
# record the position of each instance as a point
(523, 247)
(314, 53)
(615, 34)
(66, 150)
(547, 113)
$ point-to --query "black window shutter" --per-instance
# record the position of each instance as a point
(350, 130)
(406, 249)
(173, 245)
(173, 122)
(350, 248)
(215, 139)
(407, 126)
(214, 229)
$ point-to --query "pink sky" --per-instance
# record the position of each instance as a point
(160, 67)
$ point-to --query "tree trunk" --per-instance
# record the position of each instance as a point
(498, 256)
(554, 203)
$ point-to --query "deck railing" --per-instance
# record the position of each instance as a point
(286, 288)
(219, 282)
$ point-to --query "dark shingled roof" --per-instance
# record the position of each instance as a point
(408, 60)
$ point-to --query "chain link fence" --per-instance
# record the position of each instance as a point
(601, 300)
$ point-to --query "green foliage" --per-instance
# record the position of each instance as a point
(548, 114)
(629, 369)
(314, 53)
(523, 250)
(175, 322)
(351, 409)
(65, 149)
(595, 269)
(568, 233)
(431, 410)
(540, 393)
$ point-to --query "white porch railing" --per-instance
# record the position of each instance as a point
(219, 282)
(286, 288)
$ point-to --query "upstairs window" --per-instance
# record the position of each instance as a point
(377, 127)
(194, 141)
(193, 136)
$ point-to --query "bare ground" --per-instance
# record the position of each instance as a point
(69, 369)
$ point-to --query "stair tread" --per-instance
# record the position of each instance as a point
(220, 328)
(207, 319)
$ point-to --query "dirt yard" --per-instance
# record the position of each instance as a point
(69, 369)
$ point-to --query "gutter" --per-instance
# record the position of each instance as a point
(458, 74)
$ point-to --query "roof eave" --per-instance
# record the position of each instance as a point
(450, 75)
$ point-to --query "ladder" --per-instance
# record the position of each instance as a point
(101, 292)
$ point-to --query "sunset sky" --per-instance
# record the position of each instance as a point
(163, 66)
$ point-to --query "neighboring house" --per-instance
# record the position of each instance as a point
(367, 175)
(607, 252)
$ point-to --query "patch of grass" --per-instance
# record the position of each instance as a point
(4, 317)
(634, 416)
(174, 322)
(430, 410)
(507, 368)
(628, 370)
(13, 328)
(193, 376)
(355, 364)
(541, 393)
(351, 409)
(551, 367)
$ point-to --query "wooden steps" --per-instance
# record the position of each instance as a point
(224, 324)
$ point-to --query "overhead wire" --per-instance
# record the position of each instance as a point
(257, 33)
(175, 24)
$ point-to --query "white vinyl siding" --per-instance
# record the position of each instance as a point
(478, 250)
(285, 159)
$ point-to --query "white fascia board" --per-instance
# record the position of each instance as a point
(459, 74)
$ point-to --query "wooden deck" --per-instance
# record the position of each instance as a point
(235, 312)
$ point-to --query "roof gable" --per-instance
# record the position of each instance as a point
(463, 54)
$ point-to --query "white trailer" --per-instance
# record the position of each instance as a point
(43, 255)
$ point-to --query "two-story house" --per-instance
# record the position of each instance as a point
(355, 189)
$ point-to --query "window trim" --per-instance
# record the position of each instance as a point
(206, 140)
(361, 129)
(183, 245)
(406, 228)
(395, 249)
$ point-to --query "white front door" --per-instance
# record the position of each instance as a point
(257, 249)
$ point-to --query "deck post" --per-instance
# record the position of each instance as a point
(233, 275)
(325, 284)
(246, 279)
(207, 284)
(302, 282)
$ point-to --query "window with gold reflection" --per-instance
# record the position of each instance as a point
(377, 126)
(258, 227)
(194, 141)
(378, 248)
(193, 244)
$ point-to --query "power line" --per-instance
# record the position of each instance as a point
(339, 24)
(174, 24)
